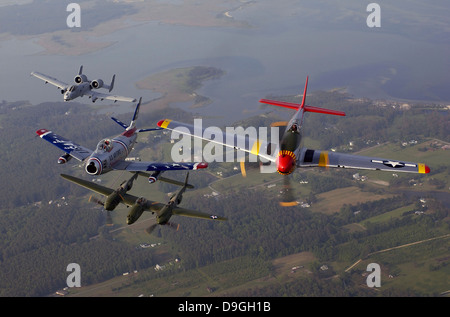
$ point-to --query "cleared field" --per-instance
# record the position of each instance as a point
(285, 264)
(397, 213)
(332, 201)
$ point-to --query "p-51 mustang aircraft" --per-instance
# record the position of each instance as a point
(290, 154)
(140, 204)
(83, 87)
(110, 154)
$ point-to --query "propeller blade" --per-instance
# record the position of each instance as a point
(172, 225)
(243, 170)
(109, 221)
(95, 200)
(248, 166)
(279, 124)
(287, 194)
(151, 228)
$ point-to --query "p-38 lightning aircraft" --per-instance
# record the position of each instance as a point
(110, 154)
(140, 204)
(290, 154)
(83, 87)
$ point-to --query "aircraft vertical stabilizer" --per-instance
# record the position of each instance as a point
(304, 93)
(112, 83)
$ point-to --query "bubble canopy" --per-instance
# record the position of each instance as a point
(104, 145)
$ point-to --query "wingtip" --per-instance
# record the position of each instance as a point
(41, 132)
(201, 165)
(424, 169)
(164, 123)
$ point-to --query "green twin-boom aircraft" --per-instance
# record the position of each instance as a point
(140, 204)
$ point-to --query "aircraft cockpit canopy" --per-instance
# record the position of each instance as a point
(104, 145)
(72, 88)
(141, 201)
(294, 128)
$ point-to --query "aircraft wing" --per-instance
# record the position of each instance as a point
(312, 158)
(239, 142)
(102, 190)
(127, 199)
(98, 95)
(50, 80)
(157, 166)
(77, 151)
(195, 214)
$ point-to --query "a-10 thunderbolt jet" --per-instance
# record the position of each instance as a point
(110, 154)
(83, 87)
(289, 153)
(140, 204)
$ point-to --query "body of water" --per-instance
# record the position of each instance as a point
(274, 56)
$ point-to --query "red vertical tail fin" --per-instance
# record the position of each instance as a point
(304, 93)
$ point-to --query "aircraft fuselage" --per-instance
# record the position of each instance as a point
(77, 91)
(290, 144)
(109, 152)
(164, 215)
(116, 197)
(136, 210)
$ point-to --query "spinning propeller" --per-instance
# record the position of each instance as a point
(95, 200)
(171, 225)
(286, 163)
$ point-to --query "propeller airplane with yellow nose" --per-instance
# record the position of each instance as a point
(289, 153)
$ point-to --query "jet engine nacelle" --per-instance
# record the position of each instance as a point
(98, 83)
(64, 158)
(80, 79)
(93, 166)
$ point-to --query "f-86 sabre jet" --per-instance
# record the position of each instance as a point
(83, 87)
(140, 204)
(289, 153)
(110, 154)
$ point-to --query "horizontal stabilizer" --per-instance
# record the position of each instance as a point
(323, 110)
(123, 125)
(289, 105)
(296, 106)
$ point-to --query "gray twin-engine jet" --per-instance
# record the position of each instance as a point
(83, 87)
